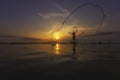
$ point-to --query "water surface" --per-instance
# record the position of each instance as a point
(60, 60)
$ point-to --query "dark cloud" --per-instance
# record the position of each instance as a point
(31, 39)
(104, 34)
(18, 38)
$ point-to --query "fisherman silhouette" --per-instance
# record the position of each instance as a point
(73, 36)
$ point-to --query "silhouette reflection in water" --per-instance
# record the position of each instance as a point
(74, 56)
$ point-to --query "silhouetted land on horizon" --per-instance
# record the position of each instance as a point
(22, 43)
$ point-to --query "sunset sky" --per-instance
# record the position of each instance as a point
(39, 18)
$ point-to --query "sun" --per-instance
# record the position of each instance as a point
(57, 36)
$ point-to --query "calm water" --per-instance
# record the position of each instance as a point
(59, 59)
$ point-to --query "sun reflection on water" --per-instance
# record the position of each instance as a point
(57, 48)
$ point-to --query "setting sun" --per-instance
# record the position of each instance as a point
(57, 36)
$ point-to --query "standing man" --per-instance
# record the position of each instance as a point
(73, 36)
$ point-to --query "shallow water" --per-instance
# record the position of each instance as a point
(67, 59)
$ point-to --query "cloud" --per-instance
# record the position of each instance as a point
(17, 37)
(105, 34)
(27, 38)
(63, 12)
(59, 7)
(113, 23)
(50, 15)
(7, 36)
(108, 33)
